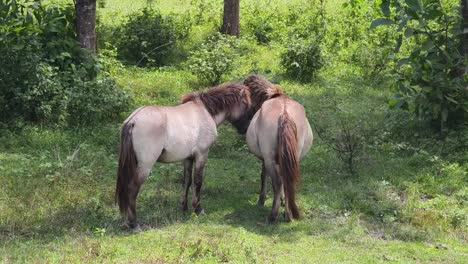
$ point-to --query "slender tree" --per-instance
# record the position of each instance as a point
(231, 18)
(86, 24)
(464, 35)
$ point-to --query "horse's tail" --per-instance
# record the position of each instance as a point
(127, 167)
(288, 160)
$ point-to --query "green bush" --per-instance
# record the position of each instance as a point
(431, 79)
(148, 38)
(301, 59)
(45, 70)
(214, 58)
(97, 100)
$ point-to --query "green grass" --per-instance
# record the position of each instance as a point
(408, 201)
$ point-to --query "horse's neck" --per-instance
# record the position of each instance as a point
(219, 118)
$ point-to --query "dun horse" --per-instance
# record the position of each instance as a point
(171, 134)
(280, 135)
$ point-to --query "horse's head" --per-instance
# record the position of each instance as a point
(239, 115)
(260, 90)
(230, 101)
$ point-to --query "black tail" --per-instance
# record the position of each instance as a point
(127, 167)
(288, 160)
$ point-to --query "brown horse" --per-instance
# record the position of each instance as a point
(280, 135)
(171, 134)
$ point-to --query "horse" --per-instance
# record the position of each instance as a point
(280, 135)
(175, 133)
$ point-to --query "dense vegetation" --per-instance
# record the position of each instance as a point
(45, 77)
(386, 179)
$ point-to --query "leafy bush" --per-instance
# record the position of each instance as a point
(431, 79)
(214, 58)
(45, 69)
(97, 100)
(302, 59)
(148, 38)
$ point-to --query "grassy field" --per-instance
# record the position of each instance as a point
(406, 203)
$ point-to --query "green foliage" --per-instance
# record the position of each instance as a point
(46, 69)
(206, 12)
(274, 21)
(148, 38)
(431, 78)
(91, 101)
(214, 58)
(264, 21)
(301, 59)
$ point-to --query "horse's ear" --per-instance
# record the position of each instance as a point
(245, 93)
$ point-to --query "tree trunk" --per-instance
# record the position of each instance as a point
(231, 18)
(464, 35)
(86, 24)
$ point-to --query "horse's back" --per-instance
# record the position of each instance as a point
(190, 130)
(171, 133)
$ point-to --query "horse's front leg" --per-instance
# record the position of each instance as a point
(200, 161)
(262, 198)
(188, 165)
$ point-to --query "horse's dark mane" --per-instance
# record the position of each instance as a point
(261, 90)
(221, 98)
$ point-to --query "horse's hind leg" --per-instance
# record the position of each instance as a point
(188, 165)
(146, 159)
(277, 186)
(262, 197)
(200, 161)
(133, 190)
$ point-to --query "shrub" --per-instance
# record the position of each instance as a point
(301, 59)
(214, 58)
(148, 38)
(45, 69)
(97, 100)
(350, 129)
(431, 79)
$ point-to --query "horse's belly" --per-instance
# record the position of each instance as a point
(252, 140)
(175, 154)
